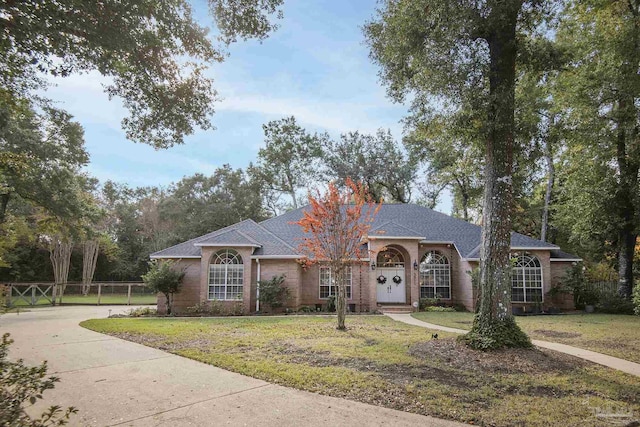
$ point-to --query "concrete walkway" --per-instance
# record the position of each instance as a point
(115, 382)
(602, 359)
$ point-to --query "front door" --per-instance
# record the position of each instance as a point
(388, 289)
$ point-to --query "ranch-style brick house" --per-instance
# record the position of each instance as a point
(416, 253)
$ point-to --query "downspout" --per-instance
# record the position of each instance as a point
(258, 286)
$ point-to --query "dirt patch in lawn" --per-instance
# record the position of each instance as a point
(557, 334)
(455, 354)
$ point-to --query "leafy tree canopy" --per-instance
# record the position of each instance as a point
(155, 52)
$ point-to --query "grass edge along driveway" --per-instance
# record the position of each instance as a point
(616, 335)
(387, 363)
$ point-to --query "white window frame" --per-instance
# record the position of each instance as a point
(349, 287)
(434, 267)
(230, 262)
(521, 268)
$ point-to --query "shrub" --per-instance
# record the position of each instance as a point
(273, 293)
(217, 308)
(142, 311)
(427, 302)
(435, 308)
(330, 307)
(21, 384)
(575, 282)
(163, 277)
(612, 303)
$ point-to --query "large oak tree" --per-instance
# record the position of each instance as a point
(455, 54)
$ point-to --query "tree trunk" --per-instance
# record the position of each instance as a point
(60, 256)
(625, 262)
(169, 299)
(551, 172)
(341, 298)
(4, 201)
(90, 250)
(494, 325)
(627, 189)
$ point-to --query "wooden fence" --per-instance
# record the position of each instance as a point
(42, 293)
(604, 287)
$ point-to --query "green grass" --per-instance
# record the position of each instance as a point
(613, 334)
(391, 364)
(93, 300)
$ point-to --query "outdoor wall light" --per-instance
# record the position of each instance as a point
(415, 265)
(373, 265)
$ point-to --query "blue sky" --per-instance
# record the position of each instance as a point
(315, 67)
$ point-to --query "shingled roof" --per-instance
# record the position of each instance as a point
(279, 236)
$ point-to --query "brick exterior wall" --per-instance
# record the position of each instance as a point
(304, 284)
(270, 268)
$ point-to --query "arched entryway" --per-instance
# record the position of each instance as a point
(391, 280)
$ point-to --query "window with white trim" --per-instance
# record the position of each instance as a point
(435, 276)
(226, 276)
(327, 284)
(526, 279)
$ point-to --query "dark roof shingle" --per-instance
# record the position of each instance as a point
(280, 236)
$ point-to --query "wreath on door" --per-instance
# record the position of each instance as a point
(382, 280)
(397, 279)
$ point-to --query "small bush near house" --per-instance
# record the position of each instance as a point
(273, 293)
(575, 283)
(22, 385)
(163, 277)
(330, 307)
(142, 311)
(612, 303)
(636, 300)
(435, 308)
(427, 302)
(434, 304)
(216, 308)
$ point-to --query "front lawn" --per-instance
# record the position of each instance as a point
(392, 364)
(613, 334)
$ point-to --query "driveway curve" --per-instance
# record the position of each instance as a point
(114, 382)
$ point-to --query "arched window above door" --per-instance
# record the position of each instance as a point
(391, 257)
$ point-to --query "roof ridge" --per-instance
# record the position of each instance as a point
(276, 236)
(247, 237)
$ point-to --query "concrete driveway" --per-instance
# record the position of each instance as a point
(116, 382)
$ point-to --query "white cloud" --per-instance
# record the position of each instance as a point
(332, 116)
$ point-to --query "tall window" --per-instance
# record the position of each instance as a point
(327, 284)
(435, 276)
(390, 258)
(526, 279)
(226, 275)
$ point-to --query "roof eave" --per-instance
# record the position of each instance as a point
(396, 237)
(224, 245)
(174, 257)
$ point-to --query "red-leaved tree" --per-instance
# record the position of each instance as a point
(336, 224)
